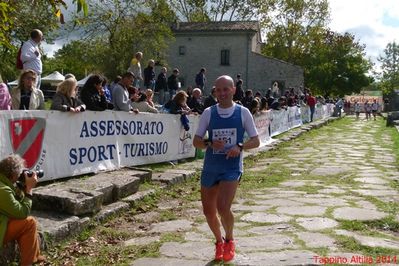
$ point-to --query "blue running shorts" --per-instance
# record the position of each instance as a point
(209, 179)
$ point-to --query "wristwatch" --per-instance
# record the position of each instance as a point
(208, 142)
(240, 145)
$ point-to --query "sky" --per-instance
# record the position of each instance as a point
(374, 23)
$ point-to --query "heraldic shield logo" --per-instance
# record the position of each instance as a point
(27, 138)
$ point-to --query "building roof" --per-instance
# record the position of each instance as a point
(216, 26)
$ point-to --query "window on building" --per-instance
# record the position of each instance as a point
(182, 50)
(225, 57)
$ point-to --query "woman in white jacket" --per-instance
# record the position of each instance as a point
(26, 96)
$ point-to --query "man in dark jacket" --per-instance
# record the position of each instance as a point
(211, 99)
(200, 79)
(173, 83)
(161, 86)
(149, 75)
(239, 94)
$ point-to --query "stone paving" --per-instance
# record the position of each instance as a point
(345, 176)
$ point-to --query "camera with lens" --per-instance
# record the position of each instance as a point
(29, 173)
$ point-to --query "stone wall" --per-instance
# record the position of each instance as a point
(204, 49)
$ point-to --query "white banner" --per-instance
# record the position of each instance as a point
(68, 144)
(262, 123)
(279, 123)
(294, 117)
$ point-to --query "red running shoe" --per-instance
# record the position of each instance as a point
(229, 250)
(219, 251)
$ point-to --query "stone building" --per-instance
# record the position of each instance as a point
(228, 47)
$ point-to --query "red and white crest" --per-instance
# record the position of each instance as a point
(27, 138)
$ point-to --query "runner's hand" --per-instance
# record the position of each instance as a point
(233, 152)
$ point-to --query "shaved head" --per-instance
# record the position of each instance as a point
(225, 78)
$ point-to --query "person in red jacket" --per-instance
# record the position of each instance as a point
(311, 101)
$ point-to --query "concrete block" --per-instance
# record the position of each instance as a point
(57, 227)
(62, 198)
(168, 178)
(132, 200)
(111, 209)
(145, 174)
(187, 174)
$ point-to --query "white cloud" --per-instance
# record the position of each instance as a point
(374, 23)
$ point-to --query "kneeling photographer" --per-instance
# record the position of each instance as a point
(15, 206)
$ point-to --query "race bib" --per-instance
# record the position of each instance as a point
(229, 137)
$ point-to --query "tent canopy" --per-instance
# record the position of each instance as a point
(82, 82)
(13, 83)
(54, 77)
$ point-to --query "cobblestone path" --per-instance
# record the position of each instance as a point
(337, 203)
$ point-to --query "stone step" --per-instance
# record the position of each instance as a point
(173, 176)
(57, 226)
(86, 195)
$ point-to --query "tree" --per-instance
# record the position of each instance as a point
(337, 65)
(297, 33)
(215, 10)
(390, 67)
(114, 30)
(10, 15)
(291, 26)
(25, 17)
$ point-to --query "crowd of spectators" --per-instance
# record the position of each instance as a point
(160, 93)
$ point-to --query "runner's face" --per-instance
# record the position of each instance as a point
(224, 90)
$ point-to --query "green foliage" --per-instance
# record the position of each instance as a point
(340, 60)
(216, 10)
(113, 32)
(20, 18)
(390, 67)
(333, 63)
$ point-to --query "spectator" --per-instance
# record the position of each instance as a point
(30, 55)
(211, 99)
(357, 109)
(107, 93)
(26, 96)
(195, 102)
(135, 68)
(69, 75)
(178, 105)
(367, 110)
(173, 83)
(149, 75)
(246, 101)
(338, 107)
(93, 95)
(254, 106)
(200, 79)
(142, 105)
(120, 94)
(189, 92)
(150, 94)
(239, 94)
(15, 206)
(161, 86)
(374, 109)
(5, 98)
(311, 102)
(112, 85)
(65, 97)
(263, 104)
